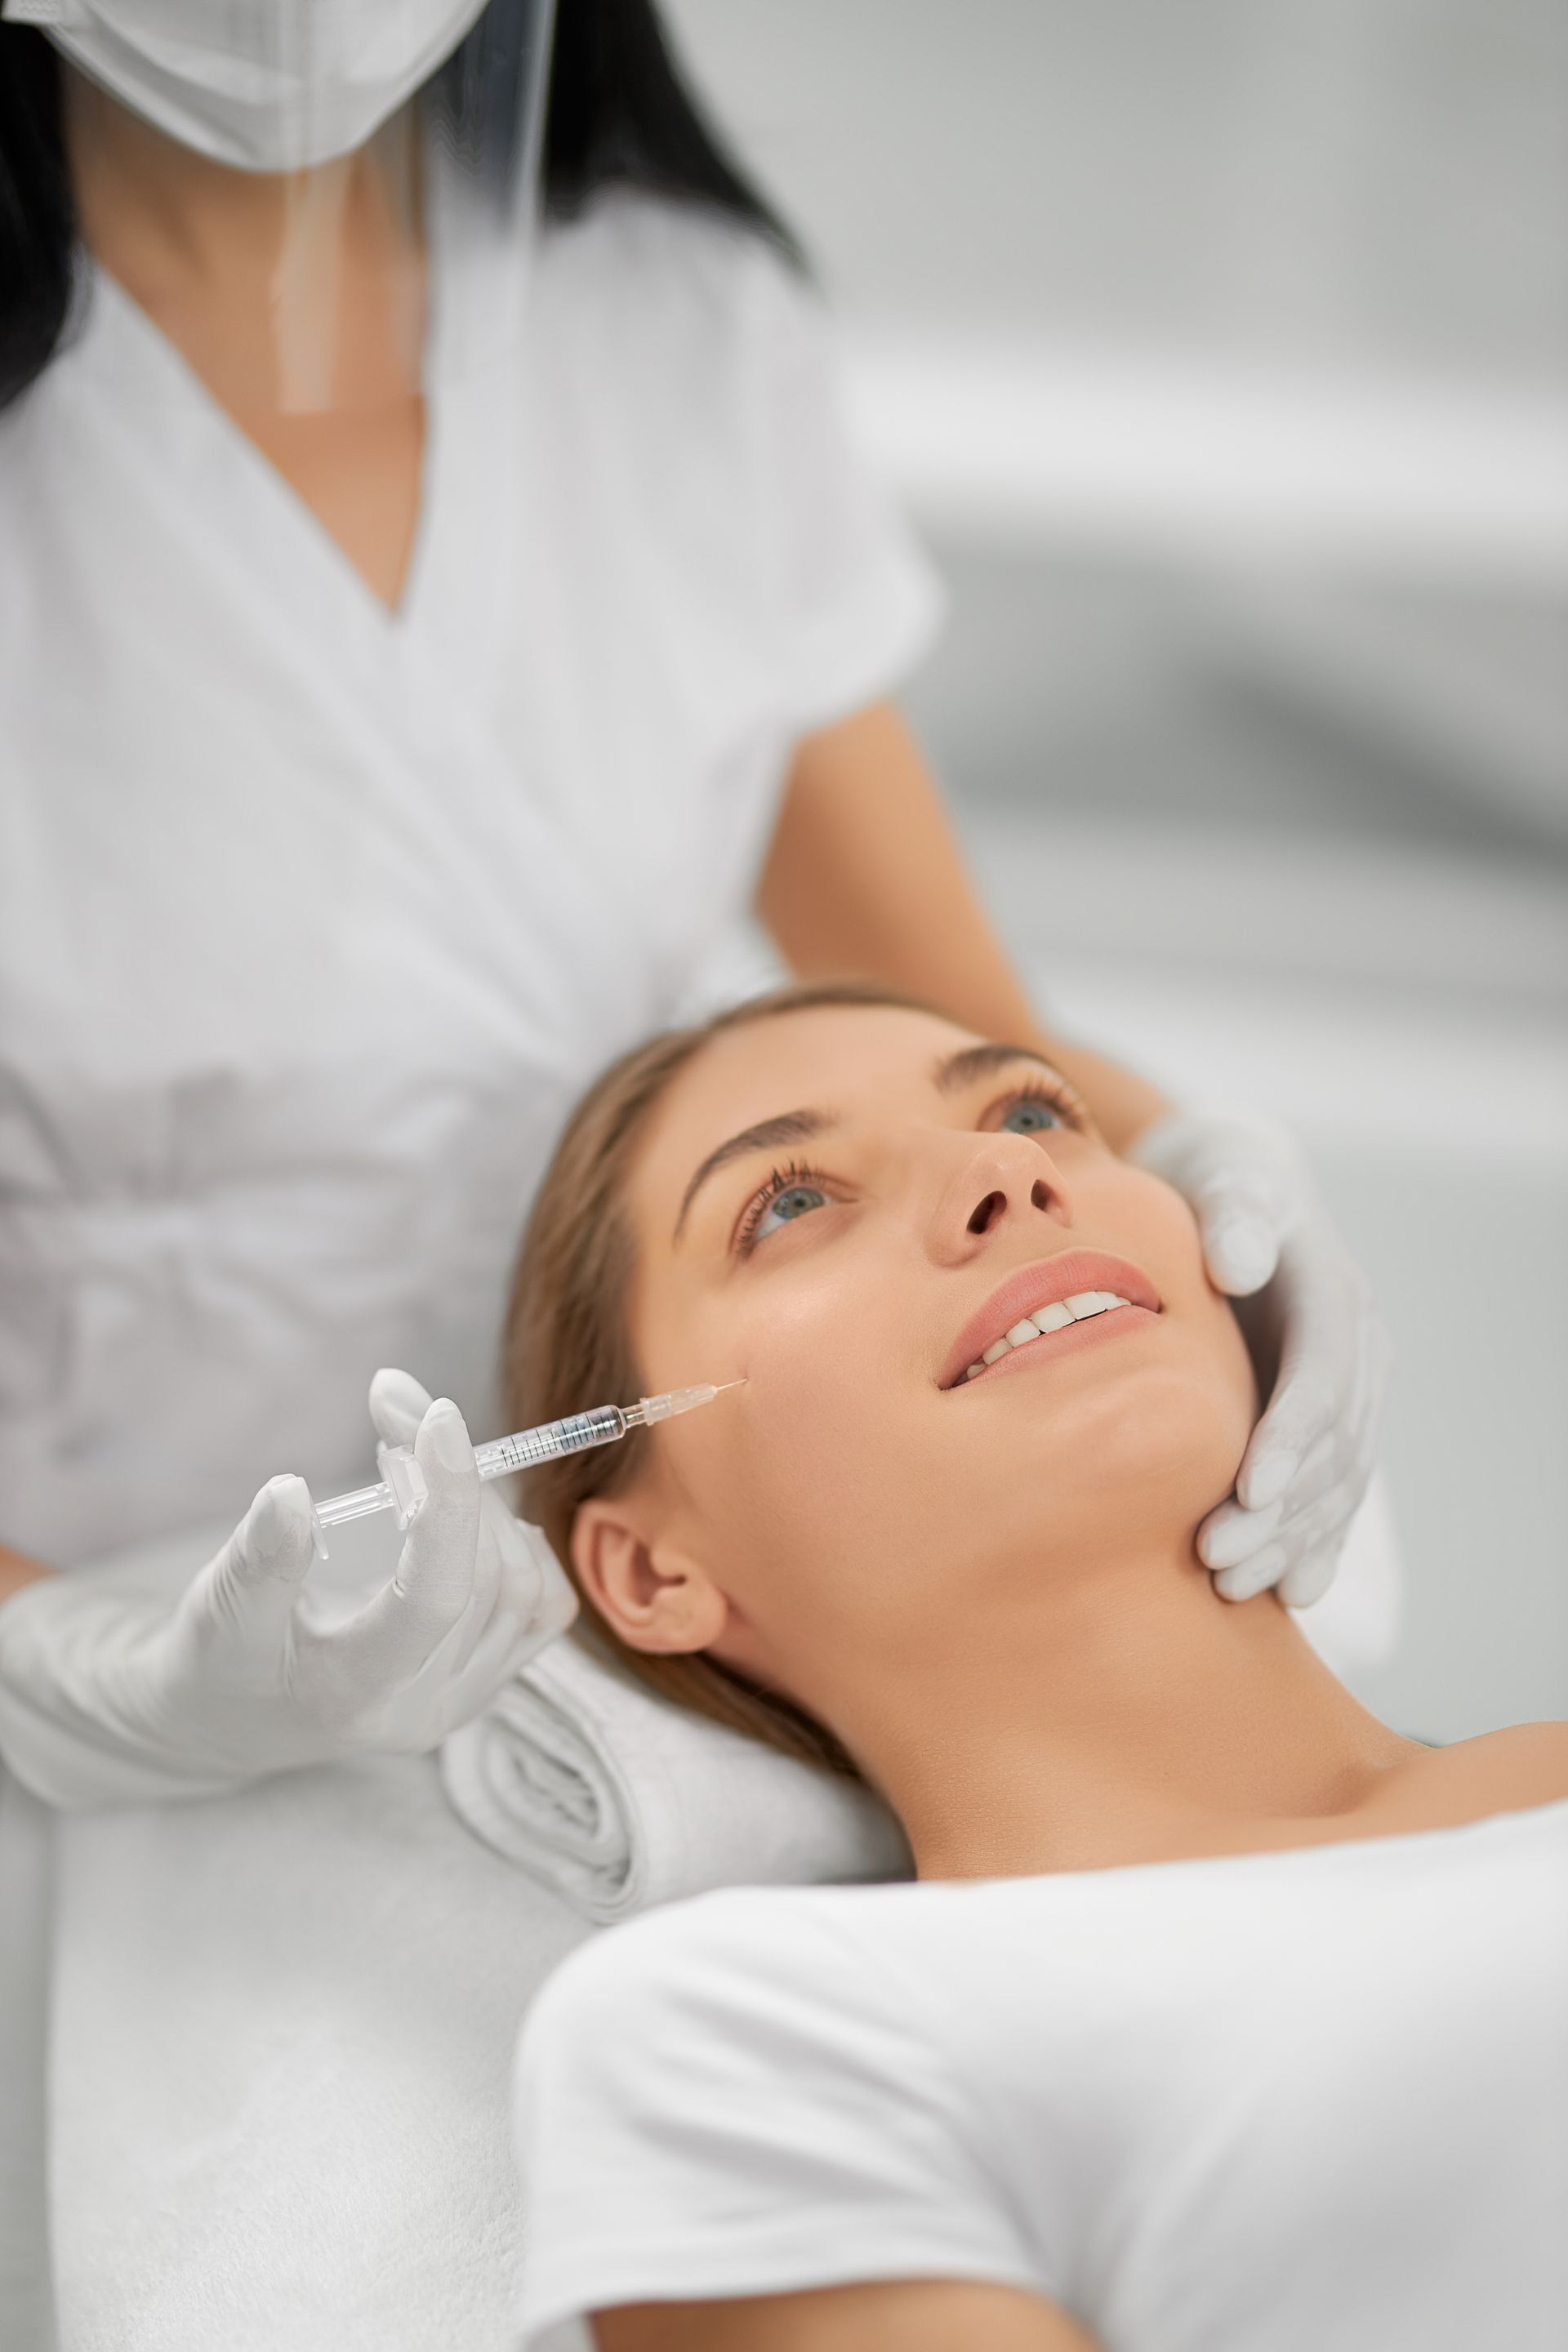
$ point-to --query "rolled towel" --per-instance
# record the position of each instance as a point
(618, 1799)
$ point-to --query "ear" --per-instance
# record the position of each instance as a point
(653, 1596)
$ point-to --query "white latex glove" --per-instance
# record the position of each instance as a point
(111, 1694)
(1264, 1231)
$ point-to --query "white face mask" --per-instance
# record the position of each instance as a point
(262, 85)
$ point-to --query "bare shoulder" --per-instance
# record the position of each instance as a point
(1499, 1772)
(880, 2316)
(1536, 1752)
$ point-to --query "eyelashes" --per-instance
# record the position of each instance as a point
(1051, 1095)
(781, 1180)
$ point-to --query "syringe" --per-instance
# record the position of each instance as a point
(401, 1488)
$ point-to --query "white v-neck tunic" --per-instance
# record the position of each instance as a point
(314, 919)
(1302, 2102)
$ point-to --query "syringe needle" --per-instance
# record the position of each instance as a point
(649, 1410)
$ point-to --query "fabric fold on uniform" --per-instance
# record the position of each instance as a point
(618, 1799)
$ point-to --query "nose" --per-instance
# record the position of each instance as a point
(1005, 1180)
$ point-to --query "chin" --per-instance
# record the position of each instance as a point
(1160, 1449)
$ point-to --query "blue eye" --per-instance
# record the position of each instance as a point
(793, 1201)
(1030, 1114)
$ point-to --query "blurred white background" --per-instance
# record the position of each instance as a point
(1220, 352)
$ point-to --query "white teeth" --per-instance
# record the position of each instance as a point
(1047, 1320)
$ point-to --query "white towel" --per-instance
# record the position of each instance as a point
(617, 1799)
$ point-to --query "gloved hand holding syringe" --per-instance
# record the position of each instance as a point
(127, 1682)
(403, 1489)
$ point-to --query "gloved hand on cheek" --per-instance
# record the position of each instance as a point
(1311, 1325)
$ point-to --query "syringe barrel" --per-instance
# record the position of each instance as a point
(551, 1441)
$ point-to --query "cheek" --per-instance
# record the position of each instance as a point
(1215, 1366)
(1233, 1371)
(1221, 1366)
(1184, 1437)
(784, 1466)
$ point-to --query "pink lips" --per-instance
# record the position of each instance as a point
(1033, 1287)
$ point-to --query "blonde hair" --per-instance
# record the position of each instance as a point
(567, 1345)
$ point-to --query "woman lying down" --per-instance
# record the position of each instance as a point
(1220, 2016)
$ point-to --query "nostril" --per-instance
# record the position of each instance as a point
(987, 1213)
(1040, 1197)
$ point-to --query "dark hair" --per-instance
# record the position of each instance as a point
(617, 110)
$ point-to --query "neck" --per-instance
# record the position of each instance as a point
(137, 191)
(1130, 1716)
(282, 291)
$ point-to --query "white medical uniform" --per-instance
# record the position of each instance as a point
(1277, 2103)
(317, 918)
(314, 920)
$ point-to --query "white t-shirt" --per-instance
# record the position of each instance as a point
(315, 918)
(1305, 2101)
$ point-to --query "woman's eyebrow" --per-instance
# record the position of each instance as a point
(789, 1126)
(971, 1062)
